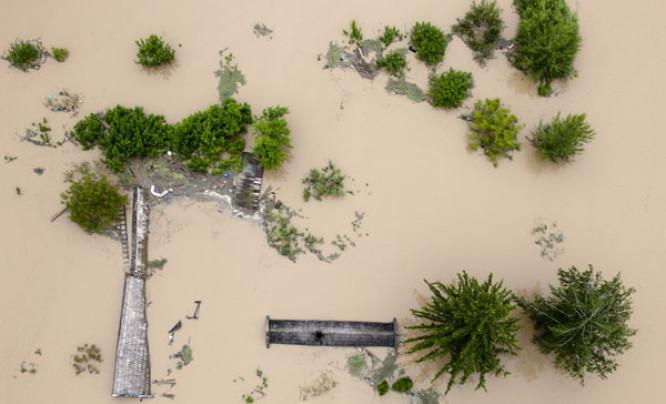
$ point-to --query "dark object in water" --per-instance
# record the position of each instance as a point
(195, 316)
(174, 329)
(331, 333)
(39, 170)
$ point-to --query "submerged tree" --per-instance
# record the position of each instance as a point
(93, 202)
(547, 41)
(481, 29)
(469, 325)
(561, 139)
(584, 322)
(270, 135)
(429, 42)
(495, 129)
(153, 51)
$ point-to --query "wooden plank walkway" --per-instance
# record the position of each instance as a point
(131, 376)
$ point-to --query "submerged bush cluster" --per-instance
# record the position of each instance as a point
(495, 129)
(450, 89)
(25, 55)
(327, 181)
(481, 28)
(429, 42)
(390, 35)
(93, 202)
(153, 51)
(207, 140)
(561, 139)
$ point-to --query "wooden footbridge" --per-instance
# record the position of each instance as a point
(131, 376)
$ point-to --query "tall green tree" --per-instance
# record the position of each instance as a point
(584, 322)
(271, 136)
(548, 41)
(468, 326)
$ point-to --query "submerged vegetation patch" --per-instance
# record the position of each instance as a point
(86, 359)
(403, 87)
(230, 78)
(329, 181)
(154, 51)
(26, 55)
(481, 29)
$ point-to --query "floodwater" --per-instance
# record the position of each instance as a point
(432, 208)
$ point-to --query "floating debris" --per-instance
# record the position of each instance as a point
(549, 238)
(173, 329)
(321, 385)
(38, 170)
(9, 159)
(195, 316)
(64, 101)
(262, 30)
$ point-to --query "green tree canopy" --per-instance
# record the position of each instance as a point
(547, 41)
(468, 325)
(153, 51)
(481, 28)
(450, 89)
(429, 41)
(271, 135)
(584, 321)
(495, 129)
(94, 203)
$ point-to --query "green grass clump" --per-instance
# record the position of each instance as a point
(481, 28)
(429, 42)
(548, 41)
(561, 139)
(450, 89)
(494, 129)
(394, 62)
(25, 55)
(390, 35)
(60, 54)
(329, 181)
(153, 51)
(355, 34)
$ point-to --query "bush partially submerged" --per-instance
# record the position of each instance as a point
(403, 385)
(60, 54)
(271, 135)
(94, 203)
(450, 89)
(547, 41)
(390, 35)
(327, 181)
(153, 51)
(429, 43)
(494, 129)
(584, 322)
(25, 55)
(394, 62)
(468, 326)
(481, 29)
(561, 139)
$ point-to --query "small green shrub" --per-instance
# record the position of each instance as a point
(468, 325)
(584, 322)
(403, 385)
(494, 129)
(327, 181)
(394, 62)
(450, 89)
(481, 29)
(548, 41)
(25, 55)
(60, 54)
(94, 203)
(153, 51)
(355, 34)
(382, 388)
(89, 131)
(562, 139)
(390, 35)
(271, 135)
(429, 42)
